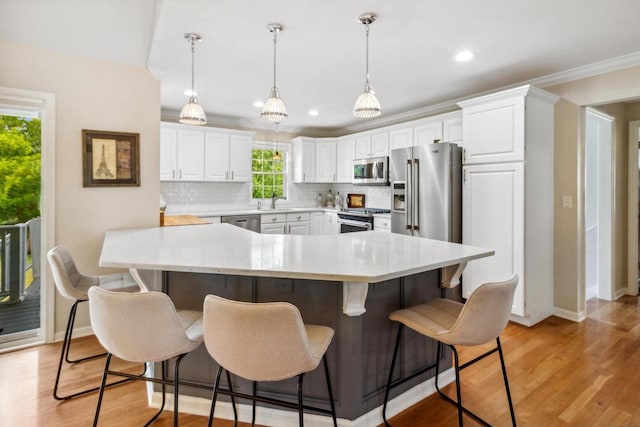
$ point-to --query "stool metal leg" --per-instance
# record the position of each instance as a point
(333, 406)
(388, 387)
(233, 401)
(458, 391)
(506, 382)
(164, 396)
(300, 405)
(216, 385)
(64, 356)
(176, 385)
(102, 387)
(253, 403)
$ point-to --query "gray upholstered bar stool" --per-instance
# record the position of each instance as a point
(143, 327)
(264, 342)
(479, 321)
(74, 285)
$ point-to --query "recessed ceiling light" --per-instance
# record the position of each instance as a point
(188, 92)
(258, 104)
(464, 56)
(313, 112)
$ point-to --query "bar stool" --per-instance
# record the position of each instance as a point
(74, 285)
(479, 321)
(264, 342)
(143, 327)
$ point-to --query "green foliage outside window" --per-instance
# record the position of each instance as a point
(19, 169)
(267, 174)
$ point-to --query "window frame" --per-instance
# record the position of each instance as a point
(284, 148)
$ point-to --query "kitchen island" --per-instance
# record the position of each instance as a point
(350, 282)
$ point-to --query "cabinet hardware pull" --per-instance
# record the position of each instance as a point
(226, 176)
(231, 175)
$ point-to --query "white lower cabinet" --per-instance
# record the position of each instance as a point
(331, 225)
(316, 223)
(281, 223)
(382, 223)
(493, 217)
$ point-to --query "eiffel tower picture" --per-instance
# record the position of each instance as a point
(103, 170)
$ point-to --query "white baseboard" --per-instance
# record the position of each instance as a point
(619, 293)
(77, 333)
(569, 315)
(281, 418)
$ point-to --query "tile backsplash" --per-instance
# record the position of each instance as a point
(208, 197)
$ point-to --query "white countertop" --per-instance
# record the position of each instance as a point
(225, 249)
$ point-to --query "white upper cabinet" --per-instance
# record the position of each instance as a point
(216, 156)
(452, 130)
(372, 145)
(189, 153)
(304, 160)
(190, 159)
(240, 158)
(380, 144)
(168, 154)
(345, 154)
(400, 138)
(427, 133)
(494, 128)
(326, 160)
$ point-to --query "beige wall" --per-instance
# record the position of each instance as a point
(99, 95)
(569, 177)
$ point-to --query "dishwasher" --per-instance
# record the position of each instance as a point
(250, 222)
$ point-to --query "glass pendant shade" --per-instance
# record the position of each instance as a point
(274, 109)
(192, 113)
(367, 105)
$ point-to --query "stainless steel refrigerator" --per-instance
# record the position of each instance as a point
(426, 191)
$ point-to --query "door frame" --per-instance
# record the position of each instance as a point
(45, 104)
(605, 291)
(632, 207)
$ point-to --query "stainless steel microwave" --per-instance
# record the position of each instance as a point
(373, 171)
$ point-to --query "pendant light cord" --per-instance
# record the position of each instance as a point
(275, 41)
(367, 50)
(193, 54)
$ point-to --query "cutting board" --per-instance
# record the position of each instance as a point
(172, 220)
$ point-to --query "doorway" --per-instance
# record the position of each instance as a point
(598, 210)
(24, 248)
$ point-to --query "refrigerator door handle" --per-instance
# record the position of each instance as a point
(408, 197)
(415, 187)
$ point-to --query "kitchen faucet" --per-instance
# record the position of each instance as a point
(274, 198)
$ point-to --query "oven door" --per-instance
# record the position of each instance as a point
(350, 226)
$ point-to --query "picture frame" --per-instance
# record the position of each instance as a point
(110, 159)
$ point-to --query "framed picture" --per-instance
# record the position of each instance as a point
(110, 159)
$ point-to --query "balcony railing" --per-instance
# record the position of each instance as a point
(13, 258)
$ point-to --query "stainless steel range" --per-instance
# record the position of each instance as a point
(358, 219)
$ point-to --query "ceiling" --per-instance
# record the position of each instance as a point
(321, 52)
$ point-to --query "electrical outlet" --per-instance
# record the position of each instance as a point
(567, 202)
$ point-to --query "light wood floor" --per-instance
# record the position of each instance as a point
(561, 374)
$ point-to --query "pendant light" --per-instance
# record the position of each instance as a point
(367, 105)
(192, 113)
(274, 109)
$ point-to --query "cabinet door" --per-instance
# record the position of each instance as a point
(168, 153)
(277, 228)
(494, 131)
(301, 228)
(240, 158)
(345, 153)
(493, 217)
(401, 138)
(380, 144)
(190, 155)
(216, 156)
(427, 133)
(331, 223)
(452, 130)
(363, 147)
(326, 161)
(305, 161)
(316, 223)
